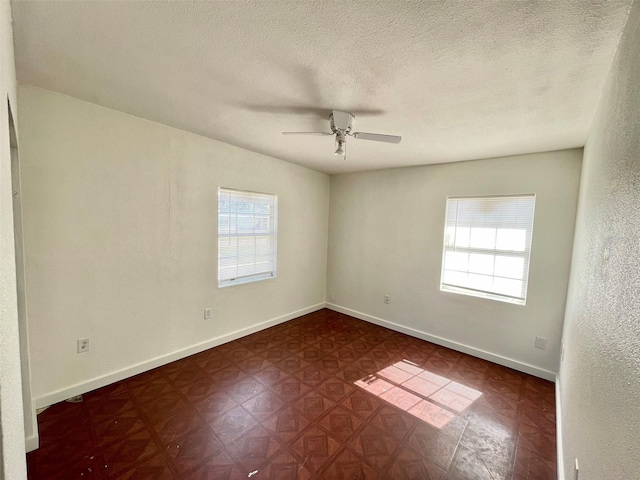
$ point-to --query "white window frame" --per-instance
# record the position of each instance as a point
(491, 251)
(247, 225)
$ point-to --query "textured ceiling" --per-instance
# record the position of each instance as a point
(458, 80)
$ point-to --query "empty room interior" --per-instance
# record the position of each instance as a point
(318, 240)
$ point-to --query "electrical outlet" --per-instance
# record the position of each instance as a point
(83, 345)
(207, 313)
(562, 354)
(332, 297)
(387, 299)
(541, 343)
(575, 471)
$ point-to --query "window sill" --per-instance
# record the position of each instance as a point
(485, 295)
(245, 280)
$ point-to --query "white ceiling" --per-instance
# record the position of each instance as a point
(459, 80)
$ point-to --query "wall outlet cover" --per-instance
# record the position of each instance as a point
(541, 343)
(83, 345)
(207, 313)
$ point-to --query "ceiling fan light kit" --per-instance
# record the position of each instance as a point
(341, 124)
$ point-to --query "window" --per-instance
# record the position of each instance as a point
(247, 240)
(487, 243)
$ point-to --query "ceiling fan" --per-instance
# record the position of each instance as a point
(341, 124)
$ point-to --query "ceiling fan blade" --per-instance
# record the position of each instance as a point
(306, 133)
(377, 137)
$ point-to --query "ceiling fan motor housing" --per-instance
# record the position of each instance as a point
(341, 121)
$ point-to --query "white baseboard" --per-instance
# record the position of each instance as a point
(507, 362)
(559, 444)
(32, 439)
(89, 385)
(31, 443)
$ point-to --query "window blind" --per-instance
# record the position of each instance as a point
(247, 236)
(487, 245)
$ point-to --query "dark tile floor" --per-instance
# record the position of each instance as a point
(324, 396)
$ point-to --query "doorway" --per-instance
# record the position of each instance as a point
(30, 420)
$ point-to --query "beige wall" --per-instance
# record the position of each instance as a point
(600, 375)
(12, 433)
(121, 242)
(385, 237)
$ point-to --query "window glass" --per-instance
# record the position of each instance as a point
(487, 246)
(247, 236)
